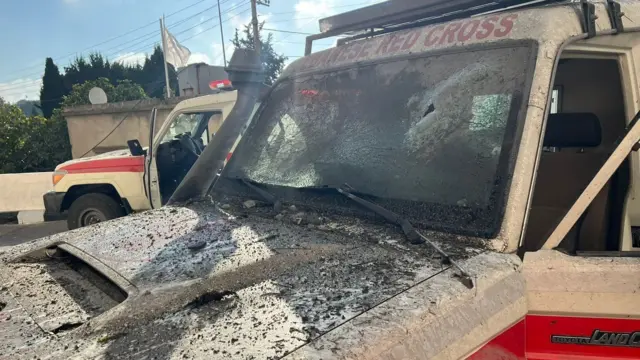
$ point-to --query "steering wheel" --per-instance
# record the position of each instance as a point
(187, 143)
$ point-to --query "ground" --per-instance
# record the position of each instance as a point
(15, 234)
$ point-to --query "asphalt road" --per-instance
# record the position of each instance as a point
(17, 234)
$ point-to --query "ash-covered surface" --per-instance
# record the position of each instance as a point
(224, 281)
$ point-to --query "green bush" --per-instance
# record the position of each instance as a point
(32, 144)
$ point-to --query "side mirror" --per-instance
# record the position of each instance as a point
(135, 148)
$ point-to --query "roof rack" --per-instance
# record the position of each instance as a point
(394, 15)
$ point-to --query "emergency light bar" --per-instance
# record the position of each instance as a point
(391, 15)
(220, 85)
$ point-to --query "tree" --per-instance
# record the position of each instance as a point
(35, 143)
(272, 62)
(124, 91)
(30, 143)
(53, 88)
(152, 79)
(150, 75)
(82, 70)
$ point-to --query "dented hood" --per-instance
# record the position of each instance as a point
(111, 155)
(204, 282)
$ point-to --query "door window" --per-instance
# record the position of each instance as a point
(188, 123)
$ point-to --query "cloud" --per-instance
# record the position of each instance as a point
(308, 12)
(20, 89)
(131, 58)
(313, 9)
(239, 21)
(198, 57)
(217, 53)
(70, 1)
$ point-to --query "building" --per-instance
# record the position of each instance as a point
(194, 79)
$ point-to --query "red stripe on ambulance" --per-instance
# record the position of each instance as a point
(125, 164)
(541, 337)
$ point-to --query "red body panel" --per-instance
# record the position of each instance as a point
(530, 339)
(540, 329)
(124, 164)
(510, 345)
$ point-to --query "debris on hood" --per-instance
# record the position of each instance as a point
(234, 282)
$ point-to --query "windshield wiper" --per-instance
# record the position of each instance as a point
(409, 231)
(267, 196)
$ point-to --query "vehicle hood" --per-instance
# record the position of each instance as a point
(204, 282)
(111, 155)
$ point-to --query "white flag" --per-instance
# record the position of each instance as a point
(175, 54)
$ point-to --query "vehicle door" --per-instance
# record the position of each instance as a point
(582, 282)
(179, 142)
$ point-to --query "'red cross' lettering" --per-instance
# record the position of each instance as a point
(431, 38)
(395, 44)
(341, 54)
(468, 29)
(412, 38)
(487, 27)
(383, 48)
(364, 51)
(322, 57)
(332, 56)
(355, 49)
(449, 34)
(507, 25)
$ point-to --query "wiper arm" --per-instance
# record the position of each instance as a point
(409, 231)
(267, 196)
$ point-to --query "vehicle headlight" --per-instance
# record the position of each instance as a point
(58, 175)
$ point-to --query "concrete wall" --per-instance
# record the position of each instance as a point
(22, 193)
(89, 124)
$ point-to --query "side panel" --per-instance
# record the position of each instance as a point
(562, 337)
(510, 345)
(124, 174)
(582, 307)
(549, 337)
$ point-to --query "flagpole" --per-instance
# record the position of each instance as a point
(164, 57)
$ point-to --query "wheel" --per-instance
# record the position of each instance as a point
(93, 208)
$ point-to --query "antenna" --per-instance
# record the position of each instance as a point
(97, 96)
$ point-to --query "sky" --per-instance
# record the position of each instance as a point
(126, 30)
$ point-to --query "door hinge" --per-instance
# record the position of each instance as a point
(615, 15)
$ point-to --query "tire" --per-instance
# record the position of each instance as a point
(92, 208)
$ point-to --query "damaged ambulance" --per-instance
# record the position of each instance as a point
(454, 180)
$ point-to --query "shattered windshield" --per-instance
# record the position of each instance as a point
(429, 130)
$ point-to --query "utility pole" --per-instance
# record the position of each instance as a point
(224, 56)
(254, 20)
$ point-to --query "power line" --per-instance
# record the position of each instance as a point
(146, 46)
(142, 39)
(146, 36)
(116, 37)
(200, 32)
(287, 31)
(331, 7)
(215, 26)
